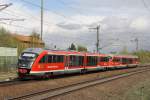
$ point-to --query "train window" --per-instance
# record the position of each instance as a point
(130, 61)
(44, 59)
(81, 60)
(76, 60)
(135, 59)
(104, 59)
(116, 59)
(92, 60)
(125, 61)
(28, 55)
(60, 58)
(73, 60)
(55, 58)
(50, 58)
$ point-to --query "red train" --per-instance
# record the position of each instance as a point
(44, 63)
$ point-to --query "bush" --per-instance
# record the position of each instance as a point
(144, 56)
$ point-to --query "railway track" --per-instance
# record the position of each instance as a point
(49, 93)
(16, 81)
(3, 83)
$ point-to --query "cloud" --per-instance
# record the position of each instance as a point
(70, 26)
(120, 23)
(140, 24)
(109, 7)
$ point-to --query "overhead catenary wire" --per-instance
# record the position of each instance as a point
(66, 17)
(49, 10)
(15, 25)
(73, 39)
(30, 15)
(78, 11)
(36, 18)
(82, 39)
(86, 39)
(12, 19)
(22, 16)
(7, 13)
(66, 41)
(22, 26)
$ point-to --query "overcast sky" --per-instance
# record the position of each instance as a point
(68, 21)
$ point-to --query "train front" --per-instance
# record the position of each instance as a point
(25, 62)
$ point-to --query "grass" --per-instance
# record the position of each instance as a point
(8, 74)
(140, 91)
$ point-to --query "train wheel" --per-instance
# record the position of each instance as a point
(51, 75)
(83, 71)
(46, 76)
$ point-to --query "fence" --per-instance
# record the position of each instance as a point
(8, 59)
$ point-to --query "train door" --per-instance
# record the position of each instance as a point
(110, 61)
(74, 63)
(66, 62)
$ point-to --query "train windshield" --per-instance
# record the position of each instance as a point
(28, 55)
(26, 59)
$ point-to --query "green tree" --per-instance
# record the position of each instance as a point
(82, 48)
(35, 39)
(144, 56)
(6, 38)
(72, 47)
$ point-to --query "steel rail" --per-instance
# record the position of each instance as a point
(49, 93)
(16, 81)
(3, 83)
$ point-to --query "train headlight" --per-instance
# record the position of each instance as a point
(23, 71)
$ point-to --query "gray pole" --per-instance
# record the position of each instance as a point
(136, 40)
(41, 19)
(97, 44)
(137, 44)
(4, 6)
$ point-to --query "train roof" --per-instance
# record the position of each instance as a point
(34, 50)
(39, 50)
(71, 52)
(126, 56)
